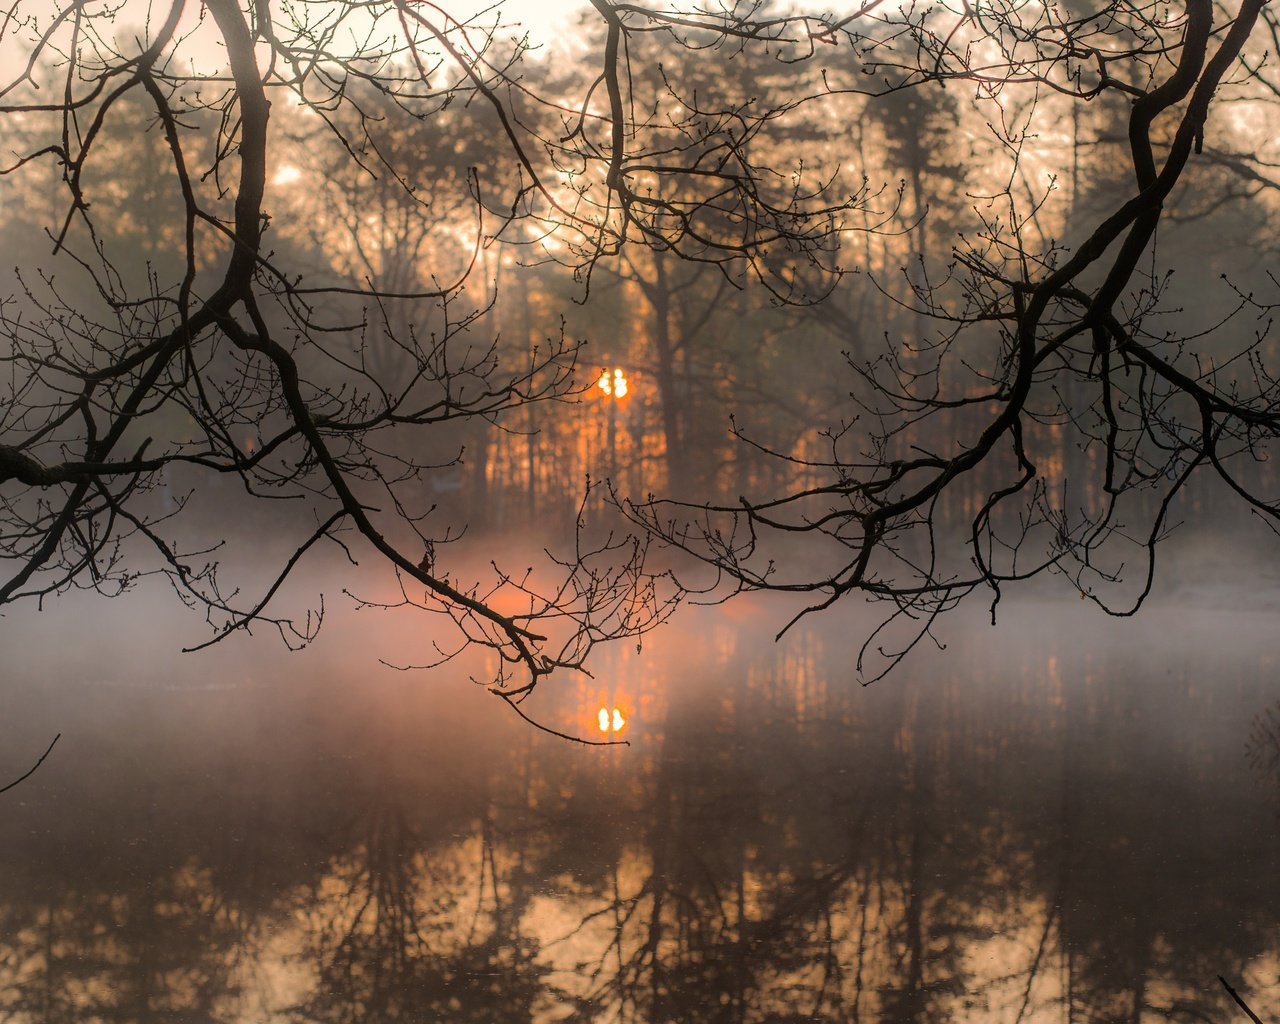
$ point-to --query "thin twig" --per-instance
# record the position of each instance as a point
(514, 706)
(32, 770)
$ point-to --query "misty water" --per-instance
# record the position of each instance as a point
(1058, 819)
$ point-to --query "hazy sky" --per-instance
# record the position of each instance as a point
(545, 20)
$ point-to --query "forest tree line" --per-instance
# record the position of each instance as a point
(890, 284)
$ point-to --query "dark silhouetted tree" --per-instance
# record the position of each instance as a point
(315, 381)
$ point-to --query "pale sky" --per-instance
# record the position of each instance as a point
(545, 20)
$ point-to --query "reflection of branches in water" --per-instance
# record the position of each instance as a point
(763, 944)
(910, 894)
(165, 951)
(876, 856)
(390, 939)
(701, 923)
(1239, 1001)
(1264, 743)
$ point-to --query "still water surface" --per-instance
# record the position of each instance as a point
(1056, 820)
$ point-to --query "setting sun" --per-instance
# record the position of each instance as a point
(611, 723)
(614, 384)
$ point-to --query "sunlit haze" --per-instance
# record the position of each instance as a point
(637, 513)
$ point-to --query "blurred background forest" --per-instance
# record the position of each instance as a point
(729, 391)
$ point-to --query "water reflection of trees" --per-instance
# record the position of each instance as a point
(399, 928)
(774, 847)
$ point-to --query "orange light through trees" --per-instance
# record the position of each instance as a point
(614, 384)
(611, 723)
